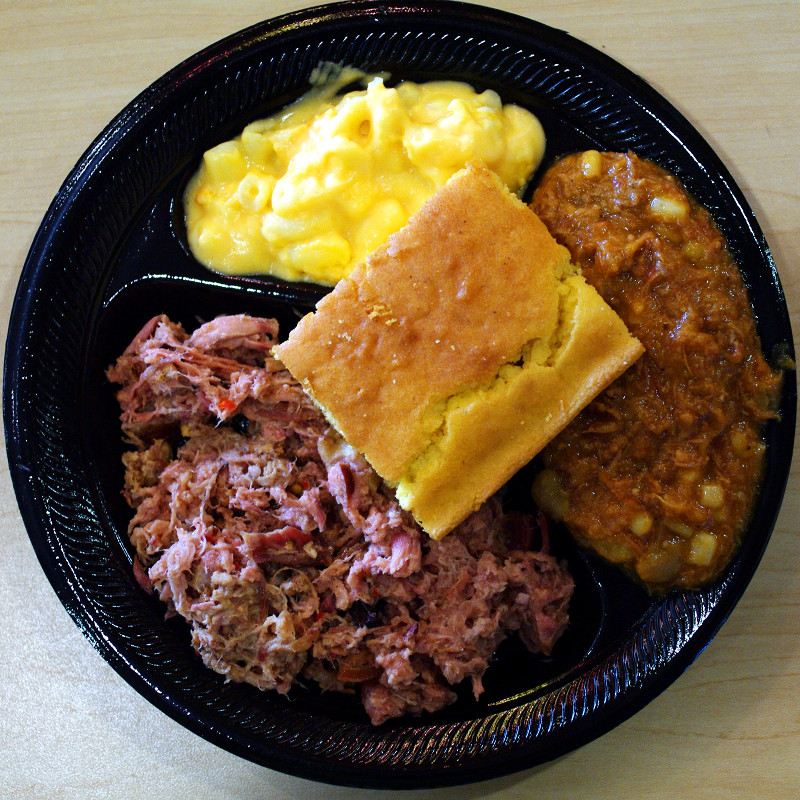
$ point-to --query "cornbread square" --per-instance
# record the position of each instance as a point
(458, 349)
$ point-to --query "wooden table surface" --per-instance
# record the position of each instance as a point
(729, 727)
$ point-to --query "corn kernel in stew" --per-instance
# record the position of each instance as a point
(712, 495)
(702, 548)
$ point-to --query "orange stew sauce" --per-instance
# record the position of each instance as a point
(659, 473)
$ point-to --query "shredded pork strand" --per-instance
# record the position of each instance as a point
(285, 552)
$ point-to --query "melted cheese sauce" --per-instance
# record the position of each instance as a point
(307, 194)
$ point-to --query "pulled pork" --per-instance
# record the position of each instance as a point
(286, 553)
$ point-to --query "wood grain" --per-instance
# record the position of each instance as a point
(730, 725)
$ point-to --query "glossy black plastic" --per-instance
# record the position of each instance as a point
(110, 253)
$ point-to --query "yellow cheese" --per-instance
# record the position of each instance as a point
(308, 193)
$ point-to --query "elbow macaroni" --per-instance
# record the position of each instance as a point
(308, 193)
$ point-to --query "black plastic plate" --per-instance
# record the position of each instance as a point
(111, 253)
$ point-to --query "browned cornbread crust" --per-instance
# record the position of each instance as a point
(458, 349)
